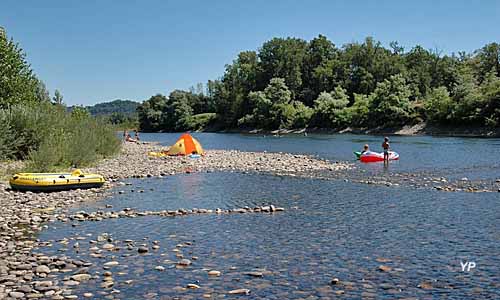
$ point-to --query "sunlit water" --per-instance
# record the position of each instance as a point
(330, 229)
(474, 158)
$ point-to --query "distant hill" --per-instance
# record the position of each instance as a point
(123, 107)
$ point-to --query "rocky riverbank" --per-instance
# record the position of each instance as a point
(26, 275)
(406, 130)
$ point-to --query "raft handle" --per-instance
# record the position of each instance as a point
(62, 176)
(15, 177)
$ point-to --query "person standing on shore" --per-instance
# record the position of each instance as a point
(386, 147)
(136, 136)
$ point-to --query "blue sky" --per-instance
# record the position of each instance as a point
(95, 51)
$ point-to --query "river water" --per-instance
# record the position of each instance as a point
(379, 242)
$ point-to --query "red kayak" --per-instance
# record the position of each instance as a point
(375, 156)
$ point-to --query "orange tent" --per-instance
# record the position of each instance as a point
(185, 145)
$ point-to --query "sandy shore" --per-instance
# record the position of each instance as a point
(24, 275)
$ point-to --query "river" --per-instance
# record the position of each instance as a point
(374, 242)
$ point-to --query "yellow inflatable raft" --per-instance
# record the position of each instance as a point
(48, 182)
(157, 154)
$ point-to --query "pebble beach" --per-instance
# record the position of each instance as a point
(25, 274)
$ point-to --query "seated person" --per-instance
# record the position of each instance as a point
(366, 148)
(128, 138)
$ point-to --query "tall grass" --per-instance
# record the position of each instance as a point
(51, 139)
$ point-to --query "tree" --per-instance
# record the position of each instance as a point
(18, 83)
(179, 112)
(419, 63)
(490, 88)
(486, 60)
(390, 105)
(328, 106)
(42, 93)
(80, 113)
(468, 98)
(357, 115)
(151, 113)
(58, 97)
(316, 69)
(283, 58)
(277, 91)
(439, 105)
(274, 108)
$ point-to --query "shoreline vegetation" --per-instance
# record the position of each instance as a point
(289, 84)
(39, 130)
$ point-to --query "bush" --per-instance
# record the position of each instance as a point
(202, 121)
(50, 138)
(439, 106)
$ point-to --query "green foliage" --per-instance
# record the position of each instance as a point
(18, 83)
(283, 58)
(491, 92)
(357, 115)
(202, 121)
(51, 138)
(468, 98)
(151, 113)
(439, 105)
(58, 98)
(80, 113)
(274, 108)
(389, 103)
(328, 108)
(127, 108)
(33, 128)
(285, 83)
(182, 113)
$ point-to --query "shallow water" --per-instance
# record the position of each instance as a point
(474, 158)
(330, 229)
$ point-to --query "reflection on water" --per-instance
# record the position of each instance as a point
(329, 230)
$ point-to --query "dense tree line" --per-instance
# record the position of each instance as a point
(122, 113)
(292, 83)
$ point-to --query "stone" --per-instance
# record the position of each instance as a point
(142, 249)
(184, 262)
(108, 246)
(42, 269)
(254, 274)
(111, 264)
(16, 295)
(239, 292)
(88, 295)
(160, 268)
(384, 268)
(425, 285)
(80, 277)
(71, 282)
(214, 273)
(192, 286)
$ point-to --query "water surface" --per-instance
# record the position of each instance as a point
(331, 229)
(474, 158)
